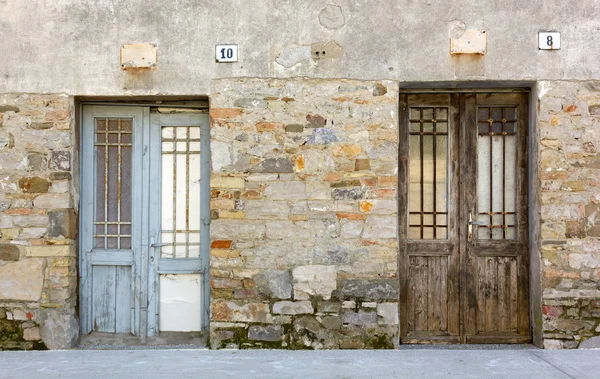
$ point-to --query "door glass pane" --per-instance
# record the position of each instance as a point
(428, 173)
(496, 173)
(180, 192)
(113, 166)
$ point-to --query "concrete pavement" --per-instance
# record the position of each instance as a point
(405, 363)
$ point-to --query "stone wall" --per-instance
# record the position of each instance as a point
(304, 208)
(38, 264)
(569, 166)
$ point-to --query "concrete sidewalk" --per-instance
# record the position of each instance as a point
(405, 363)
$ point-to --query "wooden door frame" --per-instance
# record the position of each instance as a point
(81, 174)
(533, 89)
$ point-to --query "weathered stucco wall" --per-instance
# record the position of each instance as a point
(73, 46)
(38, 264)
(569, 195)
(304, 229)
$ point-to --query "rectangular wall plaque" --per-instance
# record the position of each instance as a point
(226, 53)
(549, 40)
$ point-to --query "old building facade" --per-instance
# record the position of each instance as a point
(364, 175)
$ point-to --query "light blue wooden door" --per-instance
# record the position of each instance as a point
(179, 219)
(144, 220)
(111, 218)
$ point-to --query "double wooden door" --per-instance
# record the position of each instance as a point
(463, 218)
(144, 220)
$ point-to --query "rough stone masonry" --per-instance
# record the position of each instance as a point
(304, 230)
(569, 189)
(38, 223)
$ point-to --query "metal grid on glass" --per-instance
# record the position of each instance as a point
(428, 173)
(113, 149)
(497, 174)
(180, 193)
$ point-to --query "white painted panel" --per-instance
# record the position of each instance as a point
(179, 308)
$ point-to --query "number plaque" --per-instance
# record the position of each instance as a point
(226, 53)
(549, 41)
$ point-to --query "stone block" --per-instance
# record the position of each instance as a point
(314, 280)
(60, 175)
(22, 280)
(309, 323)
(59, 329)
(379, 89)
(274, 165)
(265, 333)
(220, 155)
(380, 227)
(362, 164)
(322, 136)
(50, 251)
(10, 233)
(60, 161)
(331, 322)
(35, 162)
(369, 289)
(226, 182)
(351, 229)
(293, 307)
(388, 313)
(329, 307)
(266, 210)
(274, 284)
(294, 128)
(315, 121)
(232, 229)
(27, 233)
(34, 220)
(53, 201)
(292, 190)
(225, 112)
(348, 194)
(223, 310)
(32, 334)
(361, 317)
(9, 252)
(579, 261)
(41, 125)
(62, 222)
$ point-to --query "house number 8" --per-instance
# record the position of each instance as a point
(549, 41)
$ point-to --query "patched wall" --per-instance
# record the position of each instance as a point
(304, 213)
(569, 195)
(38, 223)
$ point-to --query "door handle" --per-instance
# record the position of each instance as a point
(471, 223)
(160, 244)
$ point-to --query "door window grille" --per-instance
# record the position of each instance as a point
(497, 175)
(113, 151)
(180, 198)
(428, 173)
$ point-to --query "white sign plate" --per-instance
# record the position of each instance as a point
(549, 40)
(226, 53)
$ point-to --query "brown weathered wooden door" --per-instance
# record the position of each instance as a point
(463, 218)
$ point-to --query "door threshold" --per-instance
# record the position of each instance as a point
(520, 346)
(127, 341)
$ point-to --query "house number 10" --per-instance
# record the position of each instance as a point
(226, 53)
